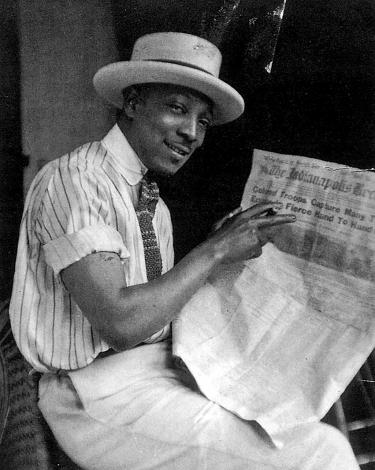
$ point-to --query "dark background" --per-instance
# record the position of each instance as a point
(318, 100)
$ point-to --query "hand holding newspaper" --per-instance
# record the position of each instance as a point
(277, 339)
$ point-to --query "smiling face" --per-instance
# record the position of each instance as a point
(165, 124)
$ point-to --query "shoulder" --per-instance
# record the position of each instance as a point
(84, 163)
(83, 167)
(88, 157)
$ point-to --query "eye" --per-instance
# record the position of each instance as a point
(177, 108)
(205, 123)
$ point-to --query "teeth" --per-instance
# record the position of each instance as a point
(175, 149)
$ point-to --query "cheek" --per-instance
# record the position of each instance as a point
(154, 133)
(158, 130)
(166, 124)
(201, 137)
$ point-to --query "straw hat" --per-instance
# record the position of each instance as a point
(177, 59)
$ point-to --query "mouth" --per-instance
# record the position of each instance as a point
(180, 150)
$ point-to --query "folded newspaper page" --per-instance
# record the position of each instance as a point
(277, 339)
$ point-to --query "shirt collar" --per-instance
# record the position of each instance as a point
(125, 157)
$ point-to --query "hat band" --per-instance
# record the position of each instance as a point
(178, 62)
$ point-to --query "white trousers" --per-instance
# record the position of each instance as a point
(134, 410)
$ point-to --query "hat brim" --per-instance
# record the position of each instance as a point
(110, 80)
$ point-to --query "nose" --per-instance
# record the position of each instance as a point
(189, 128)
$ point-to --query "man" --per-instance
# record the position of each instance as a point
(95, 288)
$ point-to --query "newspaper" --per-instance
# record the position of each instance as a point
(277, 339)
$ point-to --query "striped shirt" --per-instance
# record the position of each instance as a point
(79, 204)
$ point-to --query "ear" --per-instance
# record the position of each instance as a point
(132, 98)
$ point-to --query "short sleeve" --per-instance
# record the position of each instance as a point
(74, 216)
(67, 249)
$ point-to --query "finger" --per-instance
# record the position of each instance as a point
(271, 221)
(262, 208)
(236, 211)
(222, 221)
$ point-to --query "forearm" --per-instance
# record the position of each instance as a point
(151, 306)
(126, 315)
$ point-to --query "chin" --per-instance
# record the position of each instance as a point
(166, 172)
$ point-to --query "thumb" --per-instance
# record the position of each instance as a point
(225, 219)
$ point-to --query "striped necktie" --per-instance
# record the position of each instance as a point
(148, 198)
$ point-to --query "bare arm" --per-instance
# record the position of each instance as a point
(126, 315)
